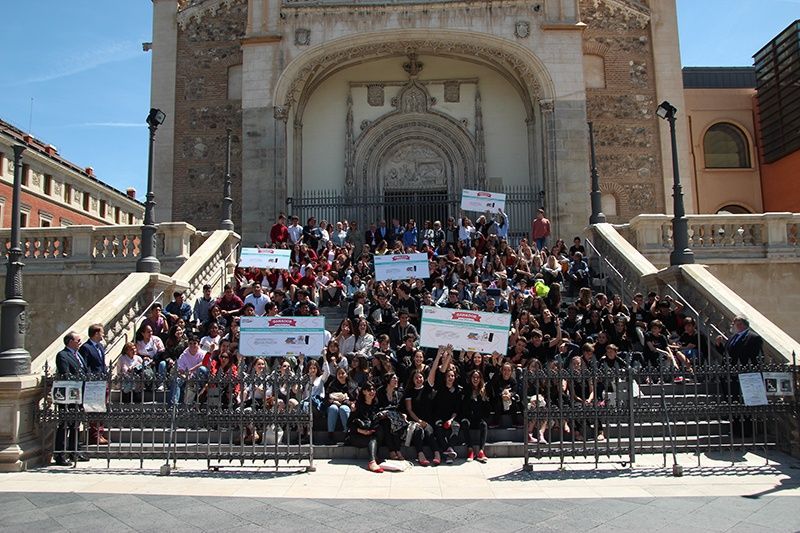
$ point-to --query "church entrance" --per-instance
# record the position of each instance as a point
(420, 205)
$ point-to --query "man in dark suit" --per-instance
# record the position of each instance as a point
(94, 355)
(372, 237)
(69, 362)
(744, 346)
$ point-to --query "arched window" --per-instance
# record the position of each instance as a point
(608, 204)
(733, 209)
(726, 146)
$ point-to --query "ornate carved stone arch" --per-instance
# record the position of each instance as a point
(439, 152)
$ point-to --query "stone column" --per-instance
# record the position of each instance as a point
(549, 169)
(162, 96)
(536, 165)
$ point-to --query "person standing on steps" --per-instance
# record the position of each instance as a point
(540, 230)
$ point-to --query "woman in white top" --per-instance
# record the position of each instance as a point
(210, 342)
(345, 337)
(465, 230)
(314, 390)
(364, 338)
(148, 346)
(129, 365)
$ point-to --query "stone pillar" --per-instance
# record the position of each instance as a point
(549, 159)
(536, 159)
(162, 96)
(669, 86)
(20, 439)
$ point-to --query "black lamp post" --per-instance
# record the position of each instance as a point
(597, 209)
(14, 358)
(227, 201)
(681, 254)
(148, 262)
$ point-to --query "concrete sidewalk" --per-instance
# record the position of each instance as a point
(747, 495)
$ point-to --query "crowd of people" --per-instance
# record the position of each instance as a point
(374, 383)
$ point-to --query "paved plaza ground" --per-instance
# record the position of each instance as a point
(746, 494)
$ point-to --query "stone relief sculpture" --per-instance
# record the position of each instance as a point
(413, 166)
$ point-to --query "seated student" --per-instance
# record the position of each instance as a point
(365, 431)
(401, 329)
(254, 396)
(148, 346)
(504, 397)
(178, 309)
(257, 299)
(190, 365)
(340, 393)
(657, 348)
(156, 321)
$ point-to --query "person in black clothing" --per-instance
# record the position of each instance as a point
(744, 346)
(401, 329)
(505, 400)
(381, 315)
(449, 395)
(475, 408)
(405, 303)
(365, 431)
(418, 401)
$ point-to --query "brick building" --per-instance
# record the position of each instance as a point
(57, 192)
(376, 98)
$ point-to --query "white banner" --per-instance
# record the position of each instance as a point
(465, 330)
(94, 396)
(482, 201)
(265, 258)
(753, 389)
(67, 392)
(281, 336)
(401, 266)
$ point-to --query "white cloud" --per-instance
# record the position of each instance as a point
(85, 60)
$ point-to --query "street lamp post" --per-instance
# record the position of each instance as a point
(14, 358)
(148, 262)
(597, 216)
(681, 254)
(227, 201)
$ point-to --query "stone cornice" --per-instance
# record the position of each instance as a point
(338, 6)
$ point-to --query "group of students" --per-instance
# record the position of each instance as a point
(373, 381)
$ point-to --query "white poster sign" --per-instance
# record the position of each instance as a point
(281, 336)
(65, 392)
(401, 266)
(465, 330)
(94, 396)
(753, 390)
(779, 383)
(482, 201)
(265, 258)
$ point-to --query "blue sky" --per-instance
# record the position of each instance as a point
(81, 61)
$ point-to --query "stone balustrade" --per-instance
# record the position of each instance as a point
(716, 303)
(719, 238)
(102, 247)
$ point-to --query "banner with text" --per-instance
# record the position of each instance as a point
(482, 201)
(401, 266)
(265, 258)
(281, 336)
(465, 330)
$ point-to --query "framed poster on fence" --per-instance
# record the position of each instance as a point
(754, 391)
(94, 396)
(281, 336)
(778, 383)
(465, 330)
(265, 258)
(68, 392)
(401, 266)
(482, 201)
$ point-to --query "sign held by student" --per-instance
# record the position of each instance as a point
(281, 336)
(465, 330)
(482, 201)
(401, 266)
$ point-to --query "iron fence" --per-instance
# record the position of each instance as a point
(222, 419)
(334, 205)
(613, 414)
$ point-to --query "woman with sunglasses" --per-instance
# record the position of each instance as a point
(365, 430)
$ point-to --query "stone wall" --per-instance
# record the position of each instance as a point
(207, 47)
(625, 125)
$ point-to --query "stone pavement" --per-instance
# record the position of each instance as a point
(746, 495)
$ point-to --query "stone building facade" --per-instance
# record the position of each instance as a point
(368, 97)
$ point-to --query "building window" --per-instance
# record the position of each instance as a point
(48, 184)
(65, 222)
(116, 215)
(733, 209)
(25, 171)
(594, 71)
(130, 219)
(103, 209)
(2, 163)
(726, 146)
(608, 204)
(24, 216)
(45, 220)
(86, 198)
(2, 213)
(68, 193)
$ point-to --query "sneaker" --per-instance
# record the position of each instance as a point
(470, 455)
(678, 380)
(482, 457)
(532, 439)
(451, 454)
